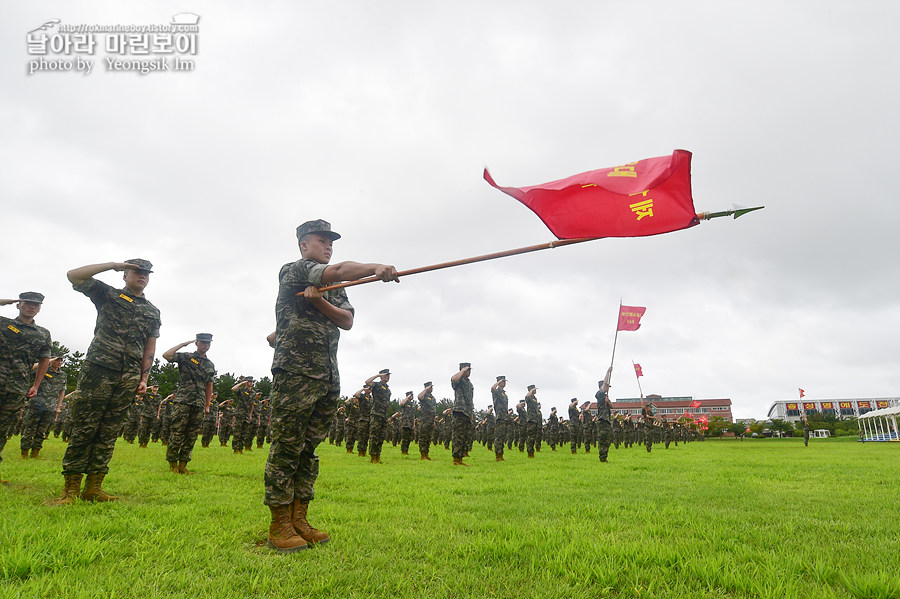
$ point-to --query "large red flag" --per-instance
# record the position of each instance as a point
(630, 318)
(647, 197)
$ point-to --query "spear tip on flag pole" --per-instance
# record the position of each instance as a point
(736, 212)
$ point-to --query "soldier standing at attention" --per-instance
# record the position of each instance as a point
(407, 421)
(115, 368)
(427, 407)
(41, 409)
(463, 411)
(604, 417)
(522, 428)
(208, 427)
(226, 419)
(262, 426)
(22, 343)
(243, 409)
(381, 402)
(351, 408)
(490, 427)
(191, 401)
(306, 386)
(574, 425)
(532, 419)
(501, 428)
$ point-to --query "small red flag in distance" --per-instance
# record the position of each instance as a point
(637, 370)
(802, 393)
(630, 318)
(646, 197)
(695, 403)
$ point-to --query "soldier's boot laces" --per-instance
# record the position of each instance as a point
(70, 491)
(182, 468)
(301, 525)
(282, 536)
(93, 490)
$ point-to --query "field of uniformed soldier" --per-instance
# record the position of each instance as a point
(427, 415)
(192, 399)
(40, 409)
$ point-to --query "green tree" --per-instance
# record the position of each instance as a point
(264, 386)
(165, 375)
(223, 385)
(717, 426)
(72, 367)
(443, 404)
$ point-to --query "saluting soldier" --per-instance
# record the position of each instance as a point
(306, 386)
(41, 408)
(463, 411)
(381, 402)
(351, 408)
(22, 343)
(208, 426)
(115, 368)
(500, 402)
(532, 419)
(243, 410)
(574, 425)
(407, 422)
(191, 401)
(427, 409)
(364, 400)
(553, 429)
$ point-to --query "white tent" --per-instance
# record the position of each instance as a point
(880, 425)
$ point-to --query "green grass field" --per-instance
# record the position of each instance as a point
(759, 518)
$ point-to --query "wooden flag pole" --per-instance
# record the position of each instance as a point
(638, 380)
(616, 338)
(413, 271)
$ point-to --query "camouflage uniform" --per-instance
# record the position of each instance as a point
(553, 430)
(21, 345)
(208, 426)
(381, 402)
(407, 422)
(262, 422)
(463, 412)
(40, 410)
(306, 387)
(148, 417)
(109, 376)
(604, 426)
(352, 410)
(362, 423)
(225, 420)
(501, 430)
(574, 428)
(522, 428)
(427, 406)
(196, 372)
(243, 427)
(129, 431)
(532, 422)
(60, 422)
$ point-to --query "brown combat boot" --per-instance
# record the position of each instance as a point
(24, 454)
(182, 468)
(144, 445)
(362, 453)
(202, 444)
(530, 454)
(500, 458)
(282, 536)
(259, 445)
(350, 449)
(173, 467)
(93, 489)
(36, 454)
(574, 451)
(459, 462)
(70, 491)
(248, 447)
(301, 525)
(404, 452)
(238, 451)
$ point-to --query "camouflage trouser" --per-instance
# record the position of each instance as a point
(131, 425)
(145, 428)
(531, 432)
(10, 404)
(575, 433)
(522, 429)
(426, 430)
(377, 431)
(362, 434)
(406, 437)
(350, 433)
(225, 430)
(500, 433)
(339, 434)
(59, 423)
(243, 432)
(604, 438)
(489, 436)
(35, 428)
(261, 430)
(207, 429)
(540, 437)
(97, 417)
(301, 410)
(462, 427)
(186, 420)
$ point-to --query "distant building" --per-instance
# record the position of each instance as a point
(672, 408)
(841, 408)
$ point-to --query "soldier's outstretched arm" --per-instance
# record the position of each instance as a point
(83, 273)
(353, 271)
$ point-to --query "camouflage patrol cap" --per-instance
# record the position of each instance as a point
(141, 264)
(465, 365)
(428, 384)
(204, 336)
(32, 296)
(384, 371)
(316, 226)
(409, 393)
(502, 377)
(531, 387)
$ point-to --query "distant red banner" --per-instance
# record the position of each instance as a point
(864, 404)
(882, 404)
(809, 406)
(827, 405)
(695, 403)
(845, 404)
(630, 317)
(792, 406)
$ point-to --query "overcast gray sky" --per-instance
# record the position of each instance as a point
(380, 116)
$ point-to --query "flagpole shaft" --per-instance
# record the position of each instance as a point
(616, 338)
(413, 271)
(638, 380)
